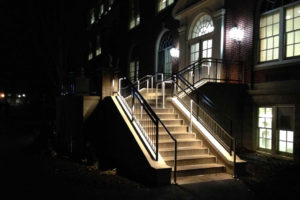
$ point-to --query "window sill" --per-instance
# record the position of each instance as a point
(277, 64)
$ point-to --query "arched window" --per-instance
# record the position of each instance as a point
(164, 57)
(201, 39)
(203, 26)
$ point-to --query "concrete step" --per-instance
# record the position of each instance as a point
(183, 135)
(163, 110)
(183, 151)
(164, 116)
(191, 159)
(199, 169)
(168, 122)
(169, 143)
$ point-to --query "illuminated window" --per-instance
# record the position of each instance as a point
(134, 18)
(286, 141)
(134, 70)
(90, 55)
(203, 26)
(101, 10)
(194, 53)
(110, 3)
(98, 46)
(292, 30)
(162, 4)
(265, 127)
(92, 16)
(269, 37)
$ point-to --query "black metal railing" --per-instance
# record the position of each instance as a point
(144, 119)
(212, 69)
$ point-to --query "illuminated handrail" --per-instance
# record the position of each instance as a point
(145, 119)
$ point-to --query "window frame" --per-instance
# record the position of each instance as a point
(275, 137)
(167, 4)
(282, 61)
(134, 14)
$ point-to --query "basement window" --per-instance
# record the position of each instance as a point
(265, 127)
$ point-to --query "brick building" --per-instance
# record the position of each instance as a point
(249, 52)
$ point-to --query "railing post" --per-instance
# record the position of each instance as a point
(120, 79)
(152, 83)
(156, 95)
(191, 115)
(157, 129)
(138, 86)
(163, 88)
(174, 86)
(132, 109)
(175, 162)
(147, 85)
(234, 159)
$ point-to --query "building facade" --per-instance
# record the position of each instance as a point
(134, 38)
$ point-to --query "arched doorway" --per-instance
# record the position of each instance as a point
(165, 63)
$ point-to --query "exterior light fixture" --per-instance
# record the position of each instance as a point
(2, 95)
(236, 34)
(24, 95)
(19, 96)
(174, 52)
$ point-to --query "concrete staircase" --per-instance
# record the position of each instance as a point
(193, 157)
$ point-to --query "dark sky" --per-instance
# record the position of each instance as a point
(40, 41)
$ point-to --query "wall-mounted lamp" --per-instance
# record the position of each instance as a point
(174, 52)
(236, 34)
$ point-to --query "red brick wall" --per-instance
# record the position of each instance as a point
(240, 13)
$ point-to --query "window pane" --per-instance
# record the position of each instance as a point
(262, 132)
(282, 146)
(209, 53)
(289, 25)
(263, 21)
(270, 54)
(276, 18)
(261, 122)
(263, 32)
(268, 144)
(290, 51)
(290, 38)
(270, 43)
(261, 112)
(289, 13)
(297, 50)
(263, 44)
(268, 133)
(282, 135)
(290, 136)
(290, 147)
(268, 112)
(262, 143)
(276, 41)
(263, 55)
(205, 44)
(297, 23)
(276, 29)
(297, 36)
(268, 122)
(297, 11)
(269, 31)
(276, 54)
(270, 20)
(209, 45)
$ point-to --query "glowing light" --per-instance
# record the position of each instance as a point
(236, 34)
(2, 95)
(19, 96)
(24, 95)
(174, 52)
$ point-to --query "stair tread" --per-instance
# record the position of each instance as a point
(189, 157)
(180, 140)
(198, 166)
(163, 149)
